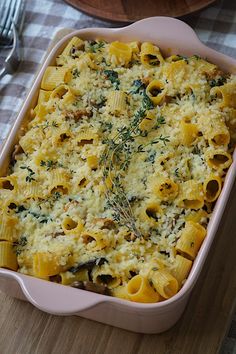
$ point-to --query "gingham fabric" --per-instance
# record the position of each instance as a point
(215, 26)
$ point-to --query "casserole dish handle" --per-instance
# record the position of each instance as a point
(51, 297)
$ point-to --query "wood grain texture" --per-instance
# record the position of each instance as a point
(201, 330)
(134, 10)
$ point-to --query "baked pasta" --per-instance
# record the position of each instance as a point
(116, 175)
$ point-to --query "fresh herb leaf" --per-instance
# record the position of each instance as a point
(164, 139)
(56, 195)
(160, 121)
(197, 57)
(49, 164)
(177, 172)
(20, 208)
(218, 82)
(55, 124)
(138, 87)
(106, 127)
(95, 46)
(113, 77)
(75, 73)
(20, 244)
(151, 157)
(31, 173)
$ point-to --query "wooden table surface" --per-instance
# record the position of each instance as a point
(201, 330)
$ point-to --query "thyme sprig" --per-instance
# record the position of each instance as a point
(161, 138)
(118, 155)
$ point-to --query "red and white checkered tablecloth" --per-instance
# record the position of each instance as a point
(215, 26)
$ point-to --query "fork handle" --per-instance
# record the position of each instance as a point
(3, 72)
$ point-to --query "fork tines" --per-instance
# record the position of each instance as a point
(10, 11)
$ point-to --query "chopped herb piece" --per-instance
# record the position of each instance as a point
(151, 157)
(164, 139)
(113, 77)
(75, 73)
(106, 127)
(181, 57)
(48, 164)
(197, 57)
(196, 150)
(31, 173)
(177, 172)
(55, 124)
(218, 82)
(57, 195)
(96, 46)
(20, 208)
(138, 87)
(20, 244)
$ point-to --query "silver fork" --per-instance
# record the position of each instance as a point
(13, 59)
(10, 11)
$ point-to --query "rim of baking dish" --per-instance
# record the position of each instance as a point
(170, 34)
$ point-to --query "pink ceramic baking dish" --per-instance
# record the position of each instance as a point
(173, 37)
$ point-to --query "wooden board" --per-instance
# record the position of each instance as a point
(134, 10)
(201, 330)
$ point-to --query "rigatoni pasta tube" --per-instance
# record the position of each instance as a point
(181, 268)
(71, 226)
(148, 122)
(74, 44)
(191, 195)
(32, 190)
(212, 188)
(188, 133)
(121, 292)
(150, 55)
(86, 61)
(151, 213)
(54, 76)
(7, 256)
(191, 239)
(32, 140)
(9, 182)
(67, 278)
(214, 129)
(164, 283)
(165, 188)
(106, 277)
(46, 265)
(41, 110)
(218, 159)
(8, 230)
(59, 178)
(197, 216)
(176, 72)
(122, 52)
(63, 92)
(227, 93)
(95, 240)
(156, 91)
(116, 102)
(44, 96)
(140, 290)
